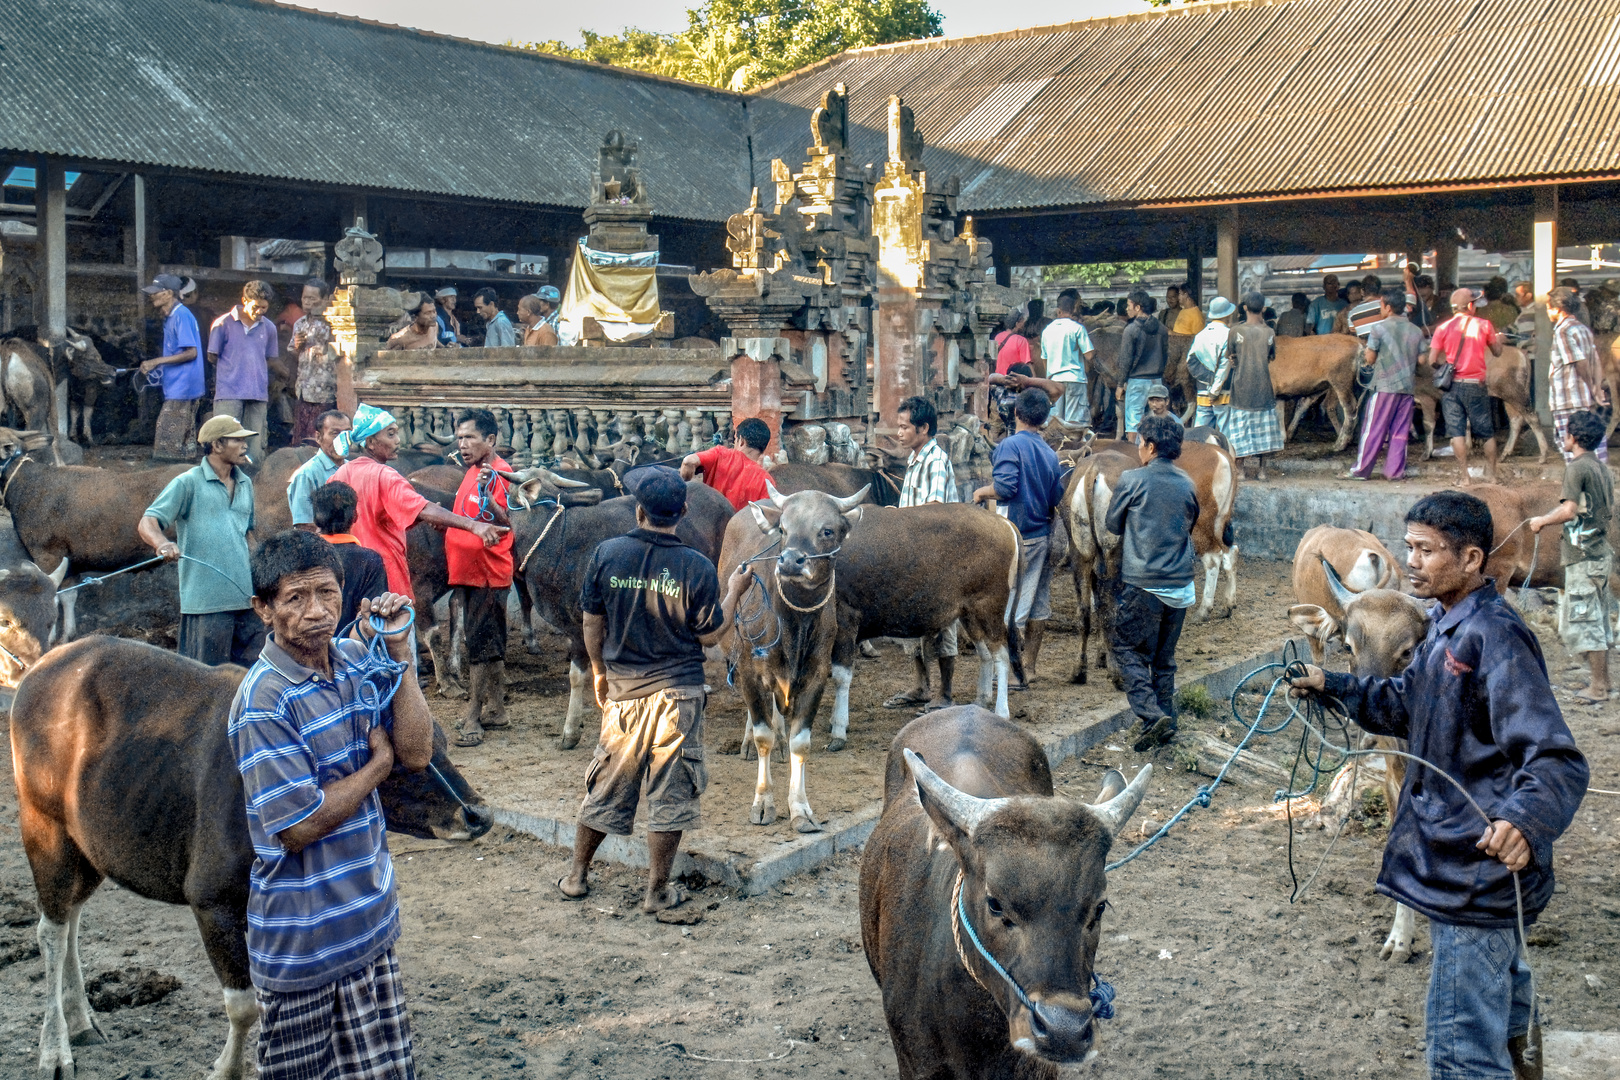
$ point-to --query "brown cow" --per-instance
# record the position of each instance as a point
(1513, 545)
(26, 385)
(1382, 628)
(973, 838)
(125, 770)
(1310, 368)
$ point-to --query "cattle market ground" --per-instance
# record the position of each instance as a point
(1218, 974)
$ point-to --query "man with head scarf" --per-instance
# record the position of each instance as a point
(388, 504)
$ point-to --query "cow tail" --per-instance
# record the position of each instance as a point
(1015, 654)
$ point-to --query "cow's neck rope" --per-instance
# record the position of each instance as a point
(1102, 993)
(832, 588)
(554, 516)
(15, 469)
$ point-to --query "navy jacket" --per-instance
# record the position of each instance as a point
(1155, 510)
(1028, 480)
(1476, 702)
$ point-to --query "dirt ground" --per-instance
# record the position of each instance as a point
(1218, 974)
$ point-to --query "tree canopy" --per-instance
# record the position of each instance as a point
(739, 44)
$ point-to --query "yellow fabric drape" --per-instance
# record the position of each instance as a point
(626, 294)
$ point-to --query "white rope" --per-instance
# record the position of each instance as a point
(541, 537)
(832, 583)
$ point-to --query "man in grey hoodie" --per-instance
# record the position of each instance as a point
(1142, 355)
(1153, 512)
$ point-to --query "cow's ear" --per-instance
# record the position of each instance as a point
(529, 492)
(766, 516)
(1315, 622)
(853, 516)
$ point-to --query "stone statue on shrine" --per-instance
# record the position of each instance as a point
(829, 121)
(841, 446)
(358, 256)
(619, 179)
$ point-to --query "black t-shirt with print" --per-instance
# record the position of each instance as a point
(656, 597)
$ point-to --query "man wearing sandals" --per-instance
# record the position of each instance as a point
(481, 574)
(650, 605)
(1585, 615)
(930, 478)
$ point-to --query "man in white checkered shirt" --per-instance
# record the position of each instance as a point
(930, 478)
(1575, 365)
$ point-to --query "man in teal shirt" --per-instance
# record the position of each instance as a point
(314, 473)
(210, 508)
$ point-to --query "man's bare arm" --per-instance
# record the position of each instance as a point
(343, 797)
(690, 466)
(434, 514)
(736, 585)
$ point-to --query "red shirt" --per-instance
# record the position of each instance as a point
(388, 505)
(1014, 349)
(734, 475)
(471, 563)
(1463, 339)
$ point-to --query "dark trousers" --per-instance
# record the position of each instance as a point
(1143, 649)
(222, 637)
(486, 622)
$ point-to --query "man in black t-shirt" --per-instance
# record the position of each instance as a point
(650, 604)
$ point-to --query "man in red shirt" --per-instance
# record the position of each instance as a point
(1462, 340)
(388, 503)
(735, 473)
(482, 575)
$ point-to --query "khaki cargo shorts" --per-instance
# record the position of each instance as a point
(1585, 612)
(936, 645)
(651, 748)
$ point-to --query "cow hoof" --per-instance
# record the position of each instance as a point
(451, 691)
(532, 648)
(1398, 952)
(806, 824)
(1201, 615)
(90, 1036)
(763, 813)
(747, 750)
(61, 1071)
(836, 745)
(869, 650)
(569, 741)
(1078, 678)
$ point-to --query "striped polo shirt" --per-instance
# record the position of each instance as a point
(330, 909)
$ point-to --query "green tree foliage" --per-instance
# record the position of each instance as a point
(739, 44)
(1103, 273)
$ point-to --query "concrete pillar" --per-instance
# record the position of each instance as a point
(140, 242)
(51, 191)
(357, 209)
(1226, 255)
(1195, 270)
(1003, 263)
(1544, 238)
(1445, 261)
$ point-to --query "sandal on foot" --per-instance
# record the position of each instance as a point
(464, 739)
(934, 706)
(675, 893)
(905, 699)
(567, 896)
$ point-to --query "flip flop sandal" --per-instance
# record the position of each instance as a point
(464, 739)
(904, 699)
(565, 896)
(934, 707)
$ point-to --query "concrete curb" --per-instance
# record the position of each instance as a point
(797, 856)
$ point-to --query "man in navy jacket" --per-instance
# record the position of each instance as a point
(1476, 703)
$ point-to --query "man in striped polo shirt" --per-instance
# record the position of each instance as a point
(322, 914)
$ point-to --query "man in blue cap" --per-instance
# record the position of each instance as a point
(1210, 364)
(651, 604)
(179, 370)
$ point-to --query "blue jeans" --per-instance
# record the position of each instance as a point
(1479, 998)
(1136, 401)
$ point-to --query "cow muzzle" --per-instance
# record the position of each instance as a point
(469, 822)
(1054, 1031)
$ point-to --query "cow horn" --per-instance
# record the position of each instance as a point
(966, 812)
(442, 441)
(850, 502)
(1113, 784)
(59, 575)
(544, 474)
(778, 499)
(1118, 810)
(1341, 595)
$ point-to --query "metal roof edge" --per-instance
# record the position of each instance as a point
(533, 54)
(1196, 7)
(1217, 201)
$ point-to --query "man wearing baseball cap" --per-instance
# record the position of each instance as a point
(651, 604)
(179, 369)
(449, 326)
(1461, 341)
(210, 509)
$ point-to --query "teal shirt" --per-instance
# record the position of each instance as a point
(309, 476)
(209, 526)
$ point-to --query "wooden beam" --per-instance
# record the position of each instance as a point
(1226, 255)
(1544, 233)
(51, 189)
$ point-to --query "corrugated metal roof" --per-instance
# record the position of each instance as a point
(264, 89)
(1229, 101)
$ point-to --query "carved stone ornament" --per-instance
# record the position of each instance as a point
(619, 179)
(358, 256)
(829, 121)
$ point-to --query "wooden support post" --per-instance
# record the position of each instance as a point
(1226, 255)
(1445, 262)
(1544, 238)
(1195, 269)
(1003, 264)
(140, 243)
(51, 191)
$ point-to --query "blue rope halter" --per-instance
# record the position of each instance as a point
(1102, 993)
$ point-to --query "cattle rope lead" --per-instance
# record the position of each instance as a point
(537, 540)
(1102, 992)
